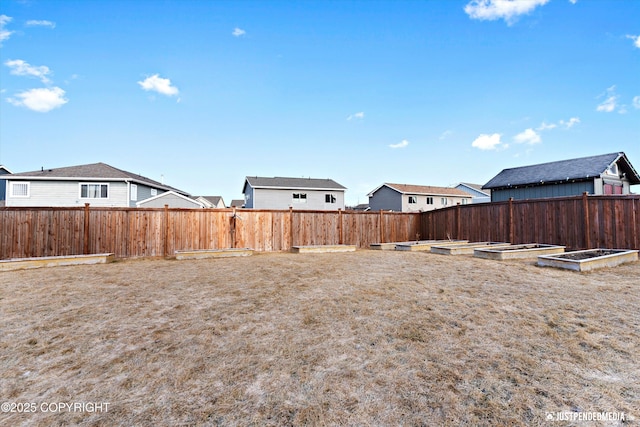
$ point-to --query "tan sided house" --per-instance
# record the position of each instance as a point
(415, 198)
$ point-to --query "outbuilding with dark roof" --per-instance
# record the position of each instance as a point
(603, 174)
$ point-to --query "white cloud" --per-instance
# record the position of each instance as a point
(401, 144)
(570, 123)
(546, 126)
(445, 134)
(509, 10)
(21, 68)
(611, 101)
(40, 100)
(158, 84)
(36, 23)
(4, 34)
(636, 40)
(636, 102)
(573, 1)
(488, 142)
(237, 32)
(359, 115)
(528, 136)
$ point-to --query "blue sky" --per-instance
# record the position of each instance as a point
(204, 93)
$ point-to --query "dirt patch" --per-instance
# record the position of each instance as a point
(361, 338)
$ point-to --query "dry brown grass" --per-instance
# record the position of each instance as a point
(365, 338)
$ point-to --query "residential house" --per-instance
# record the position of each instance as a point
(171, 199)
(603, 174)
(297, 193)
(3, 183)
(98, 184)
(237, 203)
(211, 202)
(479, 195)
(415, 198)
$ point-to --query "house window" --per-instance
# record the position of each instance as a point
(613, 169)
(299, 198)
(329, 198)
(464, 201)
(154, 192)
(20, 189)
(443, 201)
(134, 192)
(413, 200)
(94, 191)
(429, 200)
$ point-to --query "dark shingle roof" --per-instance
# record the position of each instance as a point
(93, 171)
(565, 170)
(291, 183)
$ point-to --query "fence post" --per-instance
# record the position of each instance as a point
(511, 224)
(85, 246)
(165, 244)
(381, 227)
(290, 227)
(458, 223)
(233, 228)
(340, 241)
(587, 222)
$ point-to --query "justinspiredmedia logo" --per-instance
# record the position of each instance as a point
(588, 416)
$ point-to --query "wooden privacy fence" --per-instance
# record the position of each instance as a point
(576, 222)
(579, 222)
(139, 232)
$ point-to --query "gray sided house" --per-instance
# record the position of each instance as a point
(479, 195)
(3, 183)
(297, 193)
(97, 184)
(604, 174)
(415, 198)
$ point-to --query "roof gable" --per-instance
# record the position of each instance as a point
(565, 170)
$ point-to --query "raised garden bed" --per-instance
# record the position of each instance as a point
(530, 250)
(383, 246)
(589, 259)
(213, 253)
(53, 261)
(466, 249)
(426, 245)
(323, 248)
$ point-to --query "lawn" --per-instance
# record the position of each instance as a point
(371, 338)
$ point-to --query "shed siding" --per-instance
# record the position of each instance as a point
(543, 191)
(67, 193)
(170, 199)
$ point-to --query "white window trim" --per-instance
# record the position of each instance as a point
(134, 192)
(302, 198)
(94, 198)
(12, 193)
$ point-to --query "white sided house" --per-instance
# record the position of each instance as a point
(97, 184)
(415, 198)
(297, 193)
